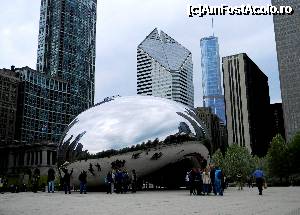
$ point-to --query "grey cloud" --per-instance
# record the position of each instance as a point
(122, 25)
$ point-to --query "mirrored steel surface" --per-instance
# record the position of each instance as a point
(127, 121)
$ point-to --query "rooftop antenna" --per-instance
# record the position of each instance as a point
(212, 25)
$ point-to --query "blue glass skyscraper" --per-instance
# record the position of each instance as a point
(211, 76)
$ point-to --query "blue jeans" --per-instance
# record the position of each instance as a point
(205, 188)
(82, 187)
(50, 186)
(218, 187)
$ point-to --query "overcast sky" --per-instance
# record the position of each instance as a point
(123, 24)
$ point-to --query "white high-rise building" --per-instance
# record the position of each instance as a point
(165, 69)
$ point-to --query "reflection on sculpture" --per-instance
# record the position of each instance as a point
(133, 130)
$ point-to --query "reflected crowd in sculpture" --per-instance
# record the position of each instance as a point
(145, 133)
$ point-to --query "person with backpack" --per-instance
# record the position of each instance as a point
(218, 181)
(259, 176)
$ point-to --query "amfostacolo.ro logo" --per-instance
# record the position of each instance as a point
(201, 10)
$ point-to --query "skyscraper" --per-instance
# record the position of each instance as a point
(287, 31)
(165, 69)
(211, 76)
(43, 102)
(247, 103)
(66, 49)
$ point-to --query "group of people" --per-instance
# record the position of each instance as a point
(204, 181)
(199, 181)
(119, 181)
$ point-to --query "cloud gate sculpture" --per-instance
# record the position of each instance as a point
(149, 134)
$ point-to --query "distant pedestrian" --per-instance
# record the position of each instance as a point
(109, 182)
(66, 180)
(51, 178)
(187, 180)
(212, 178)
(218, 181)
(133, 181)
(198, 181)
(35, 180)
(240, 181)
(206, 181)
(192, 176)
(259, 176)
(83, 182)
(249, 181)
(1, 185)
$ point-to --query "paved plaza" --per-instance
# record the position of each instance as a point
(278, 200)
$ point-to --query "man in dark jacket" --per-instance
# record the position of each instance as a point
(83, 182)
(66, 180)
(51, 178)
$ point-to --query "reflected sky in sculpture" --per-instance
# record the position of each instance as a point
(127, 121)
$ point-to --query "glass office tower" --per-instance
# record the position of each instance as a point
(211, 76)
(165, 69)
(66, 48)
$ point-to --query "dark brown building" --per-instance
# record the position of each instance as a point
(247, 104)
(9, 83)
(216, 128)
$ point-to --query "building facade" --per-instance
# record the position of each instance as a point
(165, 69)
(247, 103)
(211, 76)
(21, 159)
(287, 31)
(9, 83)
(43, 107)
(66, 47)
(215, 127)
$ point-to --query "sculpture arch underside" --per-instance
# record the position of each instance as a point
(163, 166)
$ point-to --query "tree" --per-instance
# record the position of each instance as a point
(294, 153)
(218, 158)
(277, 158)
(238, 160)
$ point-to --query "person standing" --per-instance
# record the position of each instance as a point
(240, 180)
(51, 178)
(66, 179)
(198, 181)
(212, 178)
(133, 181)
(35, 180)
(259, 177)
(1, 185)
(109, 182)
(206, 181)
(192, 177)
(218, 181)
(83, 182)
